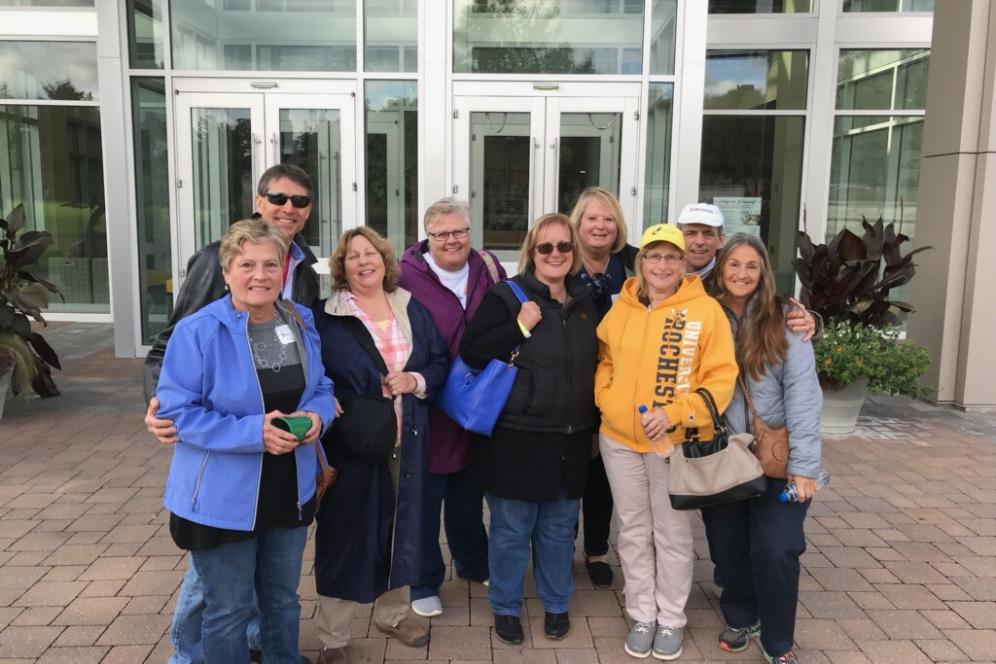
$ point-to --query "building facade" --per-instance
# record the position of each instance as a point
(135, 130)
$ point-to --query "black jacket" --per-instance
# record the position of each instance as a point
(205, 284)
(543, 433)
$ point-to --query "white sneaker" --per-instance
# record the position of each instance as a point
(427, 607)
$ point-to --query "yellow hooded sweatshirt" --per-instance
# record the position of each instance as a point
(659, 357)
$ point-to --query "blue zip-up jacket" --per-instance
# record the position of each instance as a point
(209, 388)
(787, 394)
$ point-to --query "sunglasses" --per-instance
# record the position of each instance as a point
(279, 199)
(547, 248)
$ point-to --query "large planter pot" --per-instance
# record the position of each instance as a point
(4, 389)
(841, 407)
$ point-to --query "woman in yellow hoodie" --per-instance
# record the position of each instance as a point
(663, 339)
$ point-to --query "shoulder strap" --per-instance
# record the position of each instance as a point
(489, 263)
(362, 334)
(517, 291)
(746, 391)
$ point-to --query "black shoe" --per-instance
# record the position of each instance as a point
(599, 572)
(508, 629)
(556, 626)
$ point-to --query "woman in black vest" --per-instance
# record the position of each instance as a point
(534, 465)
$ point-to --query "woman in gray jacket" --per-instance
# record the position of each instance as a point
(758, 542)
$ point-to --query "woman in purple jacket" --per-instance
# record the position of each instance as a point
(449, 279)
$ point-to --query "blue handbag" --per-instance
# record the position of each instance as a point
(474, 398)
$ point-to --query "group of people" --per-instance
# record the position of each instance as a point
(611, 344)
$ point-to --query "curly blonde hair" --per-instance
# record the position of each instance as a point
(337, 262)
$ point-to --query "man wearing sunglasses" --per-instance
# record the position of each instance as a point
(283, 200)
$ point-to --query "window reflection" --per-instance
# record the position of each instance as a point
(392, 160)
(760, 6)
(48, 70)
(888, 5)
(51, 162)
(882, 79)
(658, 183)
(146, 33)
(390, 35)
(524, 36)
(756, 80)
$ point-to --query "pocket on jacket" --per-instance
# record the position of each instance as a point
(520, 399)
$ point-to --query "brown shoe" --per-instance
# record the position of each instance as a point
(332, 656)
(408, 632)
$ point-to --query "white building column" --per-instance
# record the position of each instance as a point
(953, 288)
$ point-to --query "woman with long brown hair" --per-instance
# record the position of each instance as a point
(757, 542)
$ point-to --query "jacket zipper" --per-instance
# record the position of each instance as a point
(197, 483)
(262, 404)
(394, 522)
(570, 373)
(637, 425)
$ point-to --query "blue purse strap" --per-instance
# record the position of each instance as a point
(517, 291)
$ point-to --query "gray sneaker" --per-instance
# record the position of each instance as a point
(667, 642)
(640, 641)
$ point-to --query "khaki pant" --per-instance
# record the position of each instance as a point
(655, 540)
(335, 615)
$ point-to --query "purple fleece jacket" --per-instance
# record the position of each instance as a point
(448, 442)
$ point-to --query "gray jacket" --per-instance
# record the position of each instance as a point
(786, 394)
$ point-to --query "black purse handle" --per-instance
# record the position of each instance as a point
(718, 421)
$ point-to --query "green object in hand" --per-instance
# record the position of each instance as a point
(299, 426)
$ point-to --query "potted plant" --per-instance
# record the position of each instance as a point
(848, 282)
(25, 356)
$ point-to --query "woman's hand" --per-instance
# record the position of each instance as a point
(805, 487)
(338, 407)
(277, 441)
(655, 423)
(400, 382)
(163, 430)
(316, 424)
(800, 321)
(530, 315)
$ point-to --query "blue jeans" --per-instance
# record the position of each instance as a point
(462, 500)
(233, 576)
(546, 528)
(185, 631)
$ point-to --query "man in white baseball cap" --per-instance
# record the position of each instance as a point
(702, 226)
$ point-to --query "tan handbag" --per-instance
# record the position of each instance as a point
(721, 470)
(771, 444)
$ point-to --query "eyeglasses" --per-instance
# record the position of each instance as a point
(280, 199)
(654, 259)
(563, 247)
(444, 236)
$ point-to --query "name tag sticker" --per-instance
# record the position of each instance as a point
(284, 334)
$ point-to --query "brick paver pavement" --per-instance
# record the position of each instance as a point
(901, 565)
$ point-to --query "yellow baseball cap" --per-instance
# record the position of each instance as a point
(663, 233)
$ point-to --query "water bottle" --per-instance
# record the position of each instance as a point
(662, 446)
(790, 495)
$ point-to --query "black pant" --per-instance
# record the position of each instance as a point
(597, 509)
(757, 544)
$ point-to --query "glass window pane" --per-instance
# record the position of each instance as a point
(155, 266)
(390, 35)
(658, 184)
(889, 5)
(665, 14)
(760, 6)
(48, 70)
(51, 162)
(46, 3)
(500, 148)
(882, 79)
(311, 139)
(278, 35)
(752, 169)
(146, 33)
(756, 80)
(222, 170)
(392, 160)
(528, 37)
(589, 155)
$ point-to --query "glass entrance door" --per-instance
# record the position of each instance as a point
(520, 157)
(226, 140)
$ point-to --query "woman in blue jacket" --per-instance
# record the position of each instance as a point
(378, 343)
(241, 491)
(757, 542)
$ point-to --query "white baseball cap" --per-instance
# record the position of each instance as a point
(701, 213)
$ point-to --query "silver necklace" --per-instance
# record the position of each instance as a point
(263, 363)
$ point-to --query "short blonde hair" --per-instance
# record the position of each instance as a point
(443, 207)
(641, 283)
(256, 231)
(337, 263)
(526, 262)
(606, 198)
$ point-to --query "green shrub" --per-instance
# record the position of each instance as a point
(846, 352)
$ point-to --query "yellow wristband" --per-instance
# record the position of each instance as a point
(523, 329)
